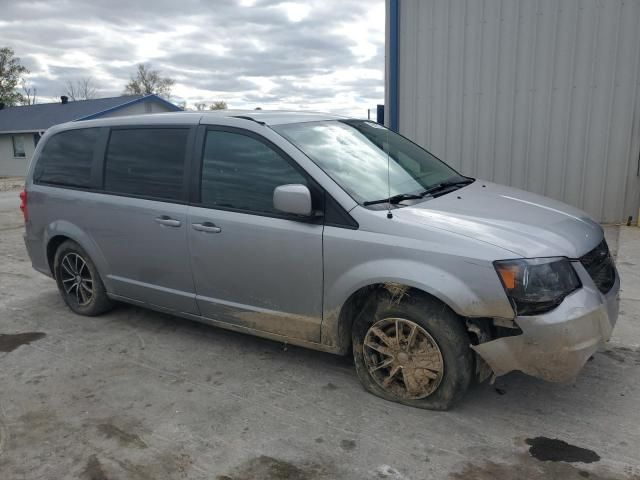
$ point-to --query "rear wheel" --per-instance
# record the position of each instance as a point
(414, 352)
(78, 281)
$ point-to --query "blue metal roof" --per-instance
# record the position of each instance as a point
(31, 118)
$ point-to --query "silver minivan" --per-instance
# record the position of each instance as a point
(326, 232)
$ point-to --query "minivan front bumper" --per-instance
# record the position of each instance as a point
(555, 346)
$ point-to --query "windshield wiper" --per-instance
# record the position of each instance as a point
(395, 199)
(441, 187)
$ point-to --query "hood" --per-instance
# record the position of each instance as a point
(524, 223)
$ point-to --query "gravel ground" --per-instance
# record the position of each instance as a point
(8, 184)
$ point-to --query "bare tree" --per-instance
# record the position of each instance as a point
(82, 89)
(218, 105)
(29, 95)
(11, 73)
(200, 106)
(147, 81)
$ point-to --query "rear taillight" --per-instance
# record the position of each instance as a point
(23, 205)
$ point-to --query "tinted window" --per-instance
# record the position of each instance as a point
(67, 157)
(241, 172)
(146, 162)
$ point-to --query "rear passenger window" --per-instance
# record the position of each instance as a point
(67, 158)
(146, 162)
(241, 172)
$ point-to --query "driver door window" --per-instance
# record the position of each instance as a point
(240, 172)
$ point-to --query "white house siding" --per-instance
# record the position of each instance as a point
(539, 94)
(9, 165)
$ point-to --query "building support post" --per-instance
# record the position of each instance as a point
(394, 21)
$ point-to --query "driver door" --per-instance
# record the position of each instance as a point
(252, 265)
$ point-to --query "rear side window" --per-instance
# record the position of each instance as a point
(67, 158)
(146, 162)
(240, 172)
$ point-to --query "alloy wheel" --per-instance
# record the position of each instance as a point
(403, 358)
(76, 279)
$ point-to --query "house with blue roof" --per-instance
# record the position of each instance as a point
(22, 127)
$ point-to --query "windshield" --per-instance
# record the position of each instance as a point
(354, 154)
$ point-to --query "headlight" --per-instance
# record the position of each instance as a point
(537, 285)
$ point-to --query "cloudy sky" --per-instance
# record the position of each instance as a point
(322, 55)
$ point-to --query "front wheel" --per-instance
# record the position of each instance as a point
(414, 352)
(79, 282)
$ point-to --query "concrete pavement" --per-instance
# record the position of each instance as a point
(9, 201)
(136, 394)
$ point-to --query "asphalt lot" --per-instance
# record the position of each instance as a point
(136, 394)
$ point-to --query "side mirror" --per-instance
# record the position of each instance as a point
(293, 198)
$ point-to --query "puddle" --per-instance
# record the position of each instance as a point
(554, 450)
(348, 445)
(9, 342)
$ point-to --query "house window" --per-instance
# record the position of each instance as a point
(18, 146)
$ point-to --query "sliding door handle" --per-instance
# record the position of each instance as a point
(207, 227)
(167, 221)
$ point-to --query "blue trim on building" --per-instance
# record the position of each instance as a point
(151, 96)
(394, 10)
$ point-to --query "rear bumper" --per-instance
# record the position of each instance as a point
(37, 254)
(555, 346)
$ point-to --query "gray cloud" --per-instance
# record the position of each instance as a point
(327, 54)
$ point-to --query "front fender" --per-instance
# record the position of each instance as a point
(452, 286)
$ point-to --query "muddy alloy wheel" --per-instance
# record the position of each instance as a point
(413, 351)
(403, 358)
(76, 279)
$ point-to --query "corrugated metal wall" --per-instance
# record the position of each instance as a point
(539, 94)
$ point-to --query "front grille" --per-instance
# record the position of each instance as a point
(599, 264)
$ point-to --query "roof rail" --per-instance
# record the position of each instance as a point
(246, 117)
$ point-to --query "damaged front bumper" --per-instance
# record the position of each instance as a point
(555, 346)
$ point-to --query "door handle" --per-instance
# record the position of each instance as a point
(167, 221)
(207, 227)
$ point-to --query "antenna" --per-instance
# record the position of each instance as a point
(389, 214)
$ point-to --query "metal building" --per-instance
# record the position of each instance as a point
(543, 95)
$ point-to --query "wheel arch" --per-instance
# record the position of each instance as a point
(469, 288)
(60, 231)
(364, 299)
(52, 247)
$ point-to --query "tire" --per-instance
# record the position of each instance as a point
(88, 298)
(433, 365)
